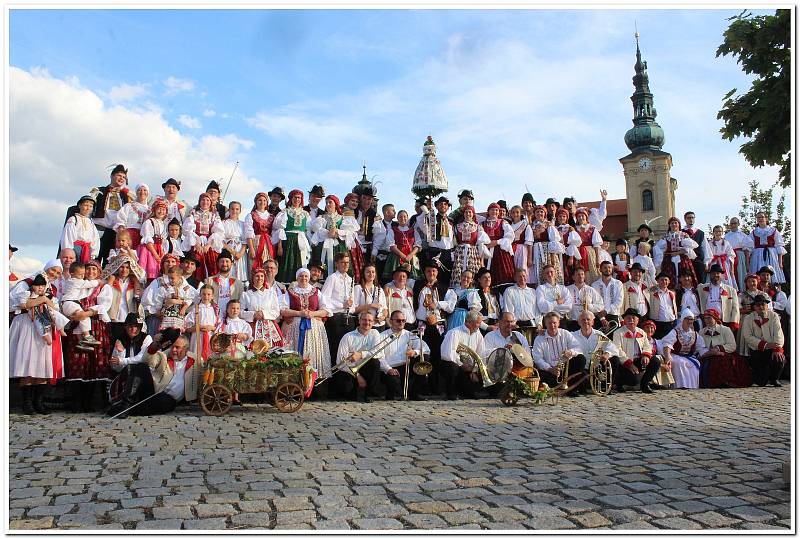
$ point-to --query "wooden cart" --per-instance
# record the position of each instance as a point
(281, 376)
(525, 382)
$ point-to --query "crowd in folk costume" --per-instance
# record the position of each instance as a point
(143, 280)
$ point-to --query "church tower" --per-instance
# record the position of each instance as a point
(649, 187)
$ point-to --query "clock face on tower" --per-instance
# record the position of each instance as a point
(645, 163)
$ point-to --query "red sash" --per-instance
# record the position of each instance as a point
(86, 250)
(58, 367)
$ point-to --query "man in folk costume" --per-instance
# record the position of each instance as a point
(125, 278)
(176, 208)
(584, 298)
(355, 347)
(366, 216)
(552, 296)
(225, 286)
(440, 236)
(779, 302)
(558, 349)
(315, 196)
(500, 260)
(552, 206)
(339, 292)
(611, 291)
(663, 306)
(638, 366)
(400, 356)
(465, 198)
(520, 300)
(261, 307)
(588, 339)
(528, 204)
(762, 335)
(213, 191)
(166, 375)
(189, 264)
(67, 257)
(80, 233)
(635, 293)
(127, 351)
(461, 378)
(400, 296)
(721, 297)
(258, 231)
(276, 196)
(430, 304)
(109, 199)
(703, 249)
(380, 238)
(686, 296)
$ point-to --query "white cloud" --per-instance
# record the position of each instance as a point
(24, 266)
(127, 92)
(60, 147)
(208, 113)
(189, 121)
(175, 85)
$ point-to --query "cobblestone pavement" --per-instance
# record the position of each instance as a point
(673, 460)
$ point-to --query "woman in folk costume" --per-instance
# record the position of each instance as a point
(133, 214)
(663, 377)
(569, 244)
(85, 369)
(332, 234)
(175, 243)
(742, 247)
(722, 253)
(589, 248)
(293, 247)
(501, 253)
(721, 365)
(351, 203)
(768, 248)
(303, 328)
(673, 254)
(261, 306)
(370, 297)
(545, 237)
(463, 298)
(470, 239)
(202, 223)
(233, 239)
(153, 239)
(35, 348)
(404, 244)
(80, 233)
(258, 226)
(682, 347)
(203, 318)
(523, 238)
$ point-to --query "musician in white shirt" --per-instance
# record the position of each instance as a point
(610, 290)
(461, 378)
(339, 292)
(520, 300)
(405, 346)
(355, 347)
(588, 338)
(557, 346)
(584, 298)
(552, 296)
(504, 336)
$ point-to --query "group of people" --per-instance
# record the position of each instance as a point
(143, 281)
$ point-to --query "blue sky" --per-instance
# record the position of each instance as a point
(512, 98)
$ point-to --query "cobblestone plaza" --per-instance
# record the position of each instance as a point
(700, 459)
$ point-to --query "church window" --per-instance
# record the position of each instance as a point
(647, 200)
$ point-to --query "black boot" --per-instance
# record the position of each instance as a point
(27, 400)
(38, 399)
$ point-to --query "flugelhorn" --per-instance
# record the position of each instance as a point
(470, 358)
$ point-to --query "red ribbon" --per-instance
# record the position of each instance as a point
(86, 250)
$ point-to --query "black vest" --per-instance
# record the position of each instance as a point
(132, 346)
(100, 204)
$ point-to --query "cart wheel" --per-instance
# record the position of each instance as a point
(216, 399)
(288, 397)
(508, 396)
(600, 377)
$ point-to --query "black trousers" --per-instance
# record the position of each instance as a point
(336, 327)
(574, 365)
(394, 384)
(457, 381)
(107, 242)
(345, 384)
(765, 367)
(139, 386)
(699, 269)
(662, 328)
(624, 377)
(380, 265)
(570, 325)
(433, 339)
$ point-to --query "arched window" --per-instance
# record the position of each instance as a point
(647, 200)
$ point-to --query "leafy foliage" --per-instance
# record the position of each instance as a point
(763, 114)
(758, 200)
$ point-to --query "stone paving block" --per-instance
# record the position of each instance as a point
(209, 510)
(30, 502)
(296, 517)
(77, 520)
(591, 520)
(575, 506)
(429, 507)
(126, 515)
(503, 514)
(618, 500)
(383, 511)
(171, 512)
(292, 503)
(251, 521)
(744, 512)
(677, 523)
(331, 525)
(205, 524)
(377, 524)
(43, 523)
(50, 510)
(166, 524)
(549, 523)
(712, 519)
(635, 525)
(691, 506)
(466, 516)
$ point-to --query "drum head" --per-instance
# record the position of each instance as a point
(522, 355)
(499, 364)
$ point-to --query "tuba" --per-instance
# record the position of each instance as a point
(470, 358)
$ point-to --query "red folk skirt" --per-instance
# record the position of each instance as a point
(88, 366)
(502, 267)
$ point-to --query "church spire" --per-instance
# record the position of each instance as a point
(645, 134)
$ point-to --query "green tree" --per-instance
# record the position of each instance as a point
(758, 200)
(762, 115)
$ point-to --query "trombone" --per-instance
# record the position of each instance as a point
(346, 365)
